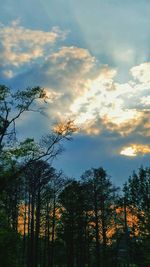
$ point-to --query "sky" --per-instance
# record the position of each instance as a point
(93, 59)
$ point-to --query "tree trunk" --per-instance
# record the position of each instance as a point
(103, 233)
(97, 231)
(126, 234)
(53, 230)
(32, 236)
(29, 228)
(37, 228)
(24, 228)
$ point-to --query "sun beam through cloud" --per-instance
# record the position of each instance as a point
(77, 85)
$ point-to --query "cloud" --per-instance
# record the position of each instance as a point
(142, 72)
(64, 73)
(66, 70)
(78, 87)
(145, 100)
(68, 67)
(105, 103)
(134, 150)
(125, 123)
(89, 94)
(20, 45)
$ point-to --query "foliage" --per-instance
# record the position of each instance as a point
(49, 220)
(10, 243)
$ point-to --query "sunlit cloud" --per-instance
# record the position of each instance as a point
(104, 100)
(51, 96)
(77, 85)
(142, 72)
(123, 125)
(70, 62)
(134, 150)
(145, 100)
(95, 102)
(20, 45)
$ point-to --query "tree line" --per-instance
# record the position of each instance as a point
(50, 220)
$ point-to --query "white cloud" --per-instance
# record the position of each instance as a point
(66, 73)
(91, 96)
(20, 45)
(134, 150)
(128, 151)
(78, 88)
(106, 102)
(67, 70)
(142, 72)
(103, 100)
(145, 100)
(72, 60)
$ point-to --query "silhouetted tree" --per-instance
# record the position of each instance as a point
(101, 194)
(73, 219)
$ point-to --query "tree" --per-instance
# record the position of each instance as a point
(18, 158)
(137, 195)
(10, 243)
(101, 195)
(73, 223)
(13, 105)
(26, 152)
